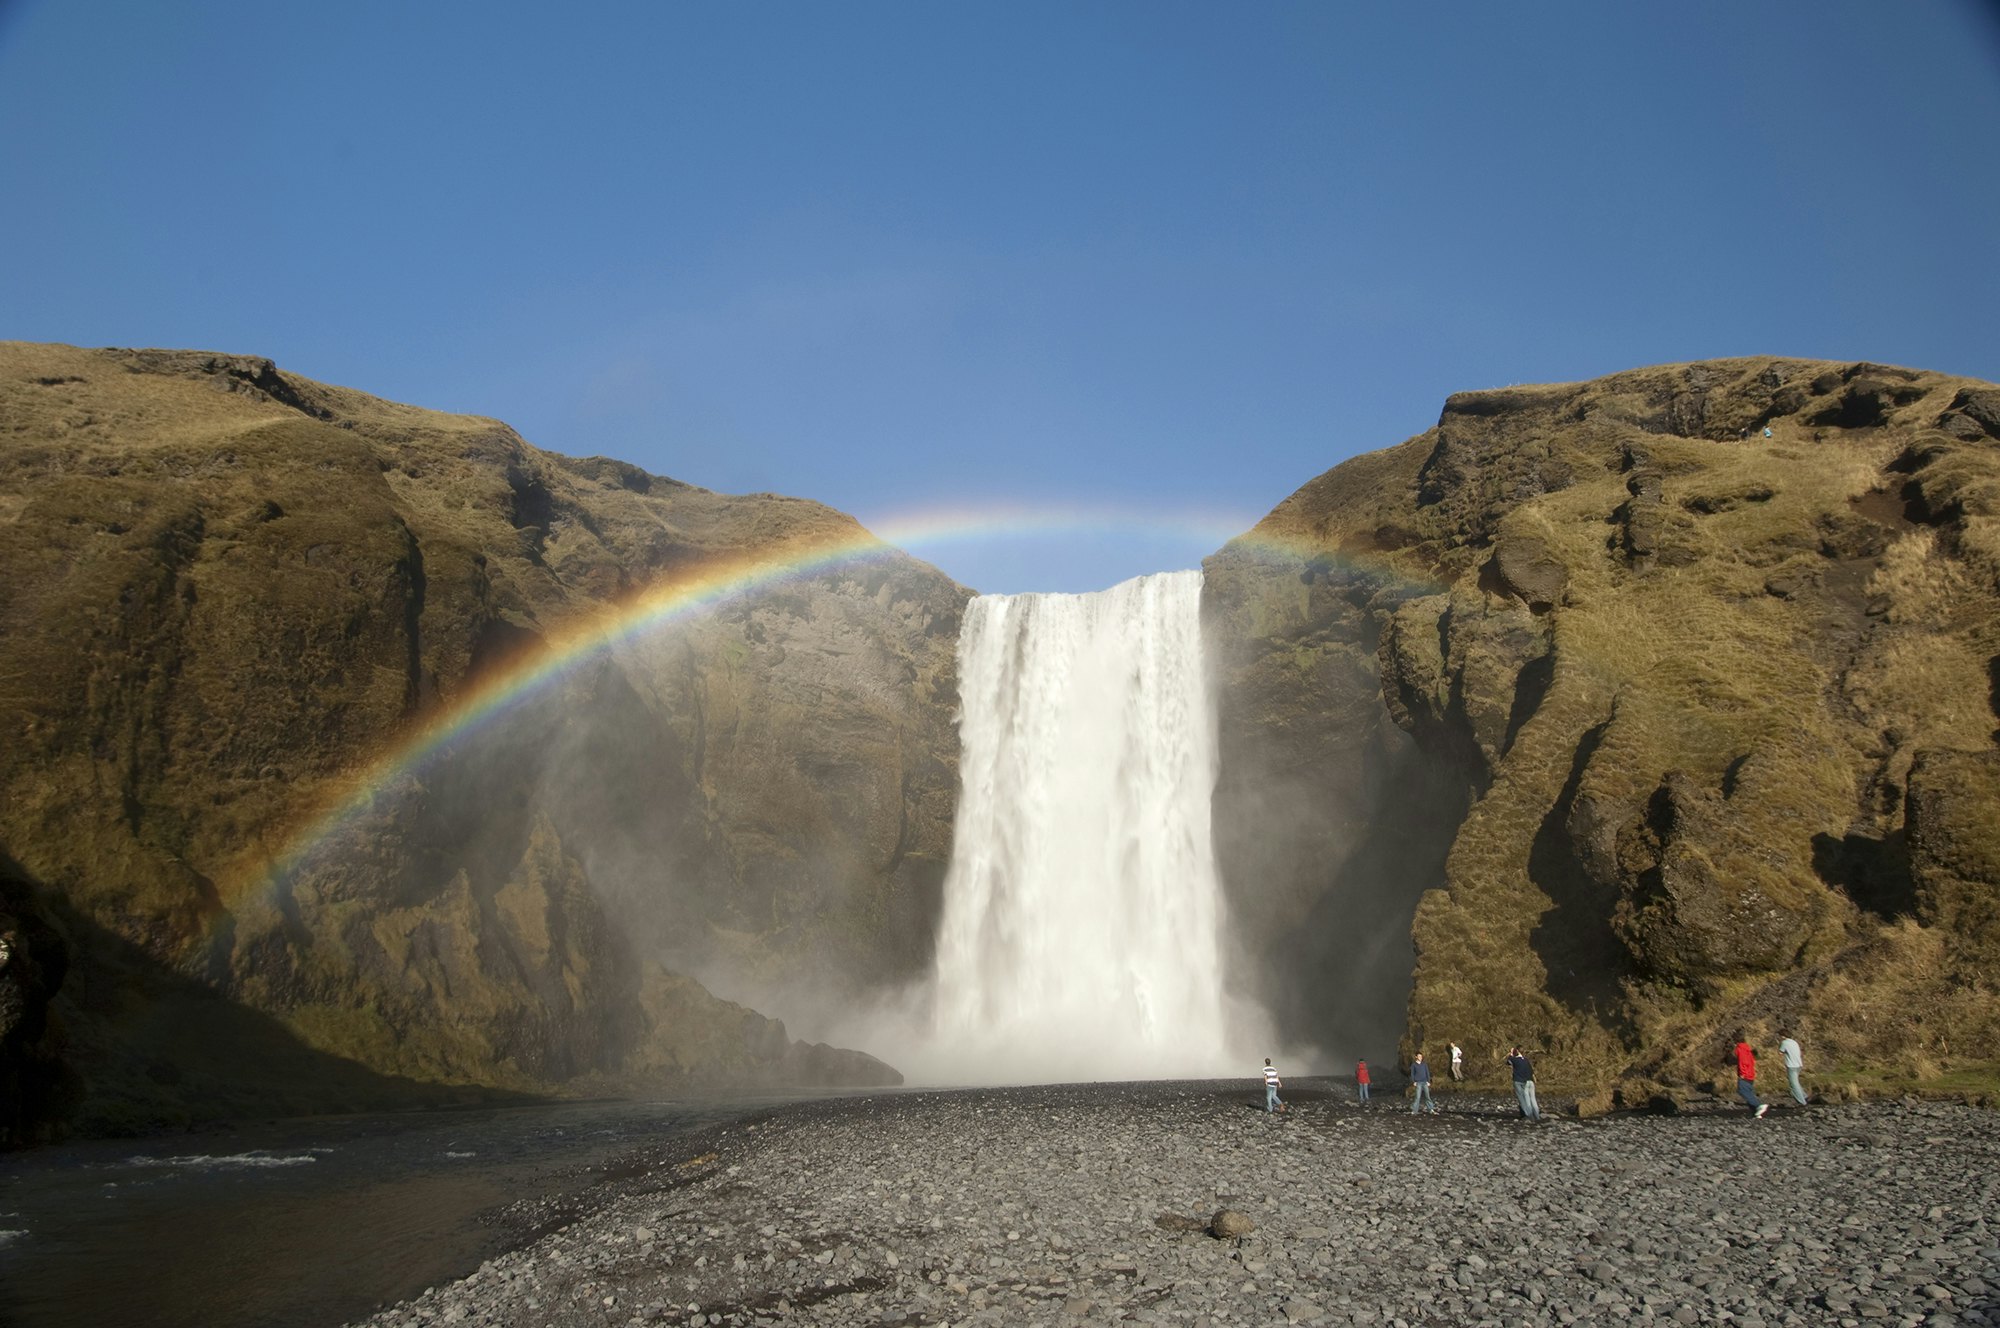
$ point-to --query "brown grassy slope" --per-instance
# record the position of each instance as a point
(226, 591)
(1682, 673)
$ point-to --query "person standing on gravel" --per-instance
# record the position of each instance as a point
(1795, 1061)
(1271, 1087)
(1524, 1084)
(1420, 1079)
(1746, 1076)
(1361, 1082)
(1457, 1064)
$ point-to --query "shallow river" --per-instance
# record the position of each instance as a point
(306, 1223)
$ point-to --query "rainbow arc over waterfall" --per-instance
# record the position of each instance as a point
(688, 594)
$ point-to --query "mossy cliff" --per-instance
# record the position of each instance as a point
(227, 594)
(1627, 712)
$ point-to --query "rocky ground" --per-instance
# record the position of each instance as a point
(1060, 1205)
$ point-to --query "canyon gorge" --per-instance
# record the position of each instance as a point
(359, 755)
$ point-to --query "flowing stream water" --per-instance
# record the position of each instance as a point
(302, 1222)
(1082, 923)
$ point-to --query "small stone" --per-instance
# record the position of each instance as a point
(1229, 1224)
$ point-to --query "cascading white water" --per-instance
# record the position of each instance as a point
(1081, 934)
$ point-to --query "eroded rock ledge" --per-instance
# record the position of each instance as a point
(1626, 712)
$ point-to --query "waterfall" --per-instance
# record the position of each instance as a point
(1081, 930)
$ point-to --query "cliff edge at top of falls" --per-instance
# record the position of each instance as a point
(228, 595)
(1628, 713)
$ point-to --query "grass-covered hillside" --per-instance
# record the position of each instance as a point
(228, 593)
(1639, 710)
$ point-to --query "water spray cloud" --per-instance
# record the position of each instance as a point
(684, 595)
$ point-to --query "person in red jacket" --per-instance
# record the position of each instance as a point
(1361, 1082)
(1746, 1076)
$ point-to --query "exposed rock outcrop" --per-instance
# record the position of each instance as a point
(242, 617)
(1954, 844)
(1705, 713)
(33, 963)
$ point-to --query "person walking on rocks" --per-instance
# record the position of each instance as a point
(1361, 1082)
(1457, 1064)
(1271, 1087)
(1524, 1084)
(1795, 1061)
(1420, 1079)
(1746, 1076)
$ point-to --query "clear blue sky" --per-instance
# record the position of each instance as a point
(1162, 259)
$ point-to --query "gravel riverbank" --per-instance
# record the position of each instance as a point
(1083, 1204)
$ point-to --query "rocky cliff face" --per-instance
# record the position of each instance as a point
(230, 593)
(1595, 717)
(1627, 711)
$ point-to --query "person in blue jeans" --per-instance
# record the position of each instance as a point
(1420, 1079)
(1271, 1087)
(1361, 1082)
(1745, 1061)
(1524, 1084)
(1795, 1061)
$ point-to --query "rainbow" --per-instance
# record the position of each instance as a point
(679, 598)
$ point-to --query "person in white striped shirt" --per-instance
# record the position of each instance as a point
(1271, 1087)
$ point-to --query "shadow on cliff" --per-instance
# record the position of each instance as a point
(1873, 872)
(1340, 980)
(1581, 953)
(113, 1042)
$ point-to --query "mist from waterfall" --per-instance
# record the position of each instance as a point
(1081, 936)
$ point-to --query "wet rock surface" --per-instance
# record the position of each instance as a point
(1094, 1204)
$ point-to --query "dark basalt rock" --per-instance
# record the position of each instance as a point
(1974, 413)
(1527, 569)
(1953, 820)
(1687, 917)
(34, 960)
